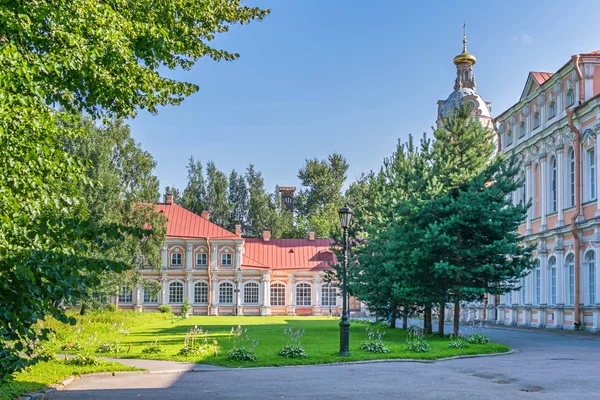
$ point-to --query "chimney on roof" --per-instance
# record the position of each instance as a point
(238, 229)
(169, 198)
(266, 236)
(311, 236)
(206, 214)
(287, 196)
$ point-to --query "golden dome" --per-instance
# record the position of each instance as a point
(465, 56)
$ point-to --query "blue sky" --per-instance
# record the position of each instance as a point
(317, 77)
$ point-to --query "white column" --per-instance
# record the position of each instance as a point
(240, 286)
(188, 257)
(560, 276)
(315, 294)
(214, 306)
(189, 288)
(291, 289)
(266, 294)
(239, 250)
(543, 278)
(529, 195)
(543, 193)
(137, 298)
(529, 287)
(165, 290)
(560, 188)
(163, 256)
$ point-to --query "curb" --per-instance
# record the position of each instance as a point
(42, 393)
(544, 331)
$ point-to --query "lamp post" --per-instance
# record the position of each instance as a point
(345, 220)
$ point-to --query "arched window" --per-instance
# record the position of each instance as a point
(303, 295)
(125, 294)
(329, 295)
(591, 174)
(277, 294)
(536, 120)
(466, 76)
(176, 292)
(551, 109)
(553, 187)
(251, 293)
(201, 292)
(552, 280)
(226, 293)
(590, 260)
(226, 260)
(571, 177)
(570, 266)
(537, 283)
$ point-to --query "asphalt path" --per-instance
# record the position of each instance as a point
(543, 366)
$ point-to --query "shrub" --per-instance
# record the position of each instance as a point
(292, 347)
(418, 346)
(195, 342)
(241, 354)
(153, 348)
(109, 347)
(82, 360)
(111, 307)
(163, 308)
(71, 346)
(458, 343)
(185, 307)
(374, 342)
(293, 351)
(477, 338)
(243, 346)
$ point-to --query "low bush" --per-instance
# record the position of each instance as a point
(293, 351)
(241, 354)
(82, 360)
(109, 347)
(243, 346)
(71, 346)
(153, 348)
(418, 346)
(163, 308)
(374, 343)
(111, 307)
(477, 338)
(458, 343)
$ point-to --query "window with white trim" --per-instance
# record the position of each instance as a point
(201, 259)
(570, 97)
(176, 292)
(150, 298)
(303, 294)
(226, 293)
(524, 191)
(226, 260)
(552, 280)
(552, 110)
(590, 261)
(329, 295)
(251, 293)
(125, 294)
(591, 174)
(571, 177)
(570, 266)
(176, 259)
(523, 292)
(536, 120)
(522, 129)
(509, 297)
(509, 138)
(201, 292)
(537, 284)
(277, 294)
(553, 186)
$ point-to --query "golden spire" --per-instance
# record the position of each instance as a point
(465, 56)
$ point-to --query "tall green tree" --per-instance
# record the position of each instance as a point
(237, 199)
(194, 195)
(172, 190)
(60, 58)
(258, 204)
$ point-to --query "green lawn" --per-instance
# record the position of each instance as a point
(134, 331)
(45, 374)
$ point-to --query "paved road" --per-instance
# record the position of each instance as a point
(544, 366)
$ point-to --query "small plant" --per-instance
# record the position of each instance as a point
(82, 360)
(243, 346)
(109, 347)
(416, 341)
(477, 338)
(292, 347)
(153, 348)
(195, 342)
(458, 343)
(185, 308)
(165, 309)
(74, 346)
(374, 343)
(111, 307)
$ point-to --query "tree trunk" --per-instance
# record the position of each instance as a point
(405, 318)
(441, 318)
(456, 316)
(394, 318)
(427, 321)
(83, 309)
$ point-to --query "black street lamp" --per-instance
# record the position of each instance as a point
(345, 220)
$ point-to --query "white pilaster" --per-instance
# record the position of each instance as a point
(560, 276)
(315, 294)
(165, 289)
(266, 293)
(291, 294)
(214, 306)
(188, 257)
(137, 298)
(240, 286)
(239, 250)
(543, 193)
(189, 288)
(163, 256)
(597, 167)
(528, 193)
(544, 277)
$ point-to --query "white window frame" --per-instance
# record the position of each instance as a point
(277, 294)
(225, 292)
(329, 295)
(591, 171)
(552, 280)
(125, 294)
(552, 109)
(571, 172)
(590, 261)
(537, 283)
(570, 267)
(303, 294)
(174, 262)
(509, 138)
(521, 129)
(553, 186)
(201, 260)
(570, 97)
(251, 293)
(148, 299)
(226, 260)
(536, 120)
(200, 292)
(176, 292)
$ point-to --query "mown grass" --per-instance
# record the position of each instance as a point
(46, 374)
(135, 331)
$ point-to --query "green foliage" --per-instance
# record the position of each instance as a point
(293, 351)
(415, 340)
(153, 348)
(195, 342)
(458, 342)
(164, 308)
(83, 360)
(109, 347)
(186, 307)
(111, 307)
(292, 343)
(374, 346)
(477, 338)
(243, 346)
(241, 354)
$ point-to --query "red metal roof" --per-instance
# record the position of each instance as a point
(183, 223)
(592, 53)
(286, 254)
(541, 77)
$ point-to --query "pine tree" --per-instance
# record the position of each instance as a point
(194, 194)
(238, 200)
(216, 195)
